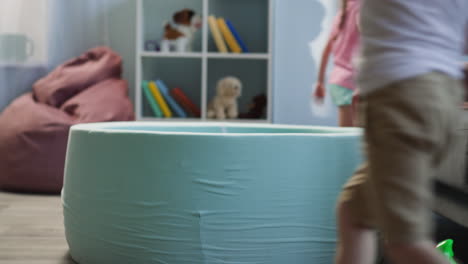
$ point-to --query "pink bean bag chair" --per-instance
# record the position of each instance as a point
(34, 127)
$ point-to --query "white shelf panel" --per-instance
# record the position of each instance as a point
(171, 54)
(237, 120)
(253, 56)
(210, 55)
(204, 120)
(172, 119)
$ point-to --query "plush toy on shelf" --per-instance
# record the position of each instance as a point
(257, 108)
(224, 104)
(179, 35)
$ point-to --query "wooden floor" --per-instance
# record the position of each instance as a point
(31, 230)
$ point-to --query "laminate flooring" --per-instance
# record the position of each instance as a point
(31, 230)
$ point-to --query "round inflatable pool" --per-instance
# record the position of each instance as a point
(205, 193)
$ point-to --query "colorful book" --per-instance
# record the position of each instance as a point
(185, 101)
(236, 36)
(218, 38)
(230, 40)
(159, 98)
(151, 100)
(173, 104)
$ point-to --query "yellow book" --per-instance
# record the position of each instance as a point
(158, 96)
(218, 38)
(230, 39)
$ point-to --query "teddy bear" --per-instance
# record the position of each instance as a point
(257, 109)
(224, 104)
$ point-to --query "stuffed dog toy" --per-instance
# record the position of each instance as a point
(179, 35)
(224, 104)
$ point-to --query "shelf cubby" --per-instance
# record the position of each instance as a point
(184, 73)
(252, 74)
(249, 18)
(155, 13)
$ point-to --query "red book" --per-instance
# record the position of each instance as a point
(185, 102)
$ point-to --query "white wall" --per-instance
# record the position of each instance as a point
(301, 29)
(29, 18)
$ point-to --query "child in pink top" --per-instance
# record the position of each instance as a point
(343, 43)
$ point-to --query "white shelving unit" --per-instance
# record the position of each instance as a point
(197, 72)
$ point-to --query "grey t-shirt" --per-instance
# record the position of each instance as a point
(405, 38)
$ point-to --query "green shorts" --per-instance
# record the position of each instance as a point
(340, 95)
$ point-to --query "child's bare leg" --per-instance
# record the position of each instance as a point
(423, 252)
(345, 116)
(357, 245)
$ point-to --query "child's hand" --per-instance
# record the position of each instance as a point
(319, 92)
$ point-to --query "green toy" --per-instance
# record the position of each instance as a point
(446, 247)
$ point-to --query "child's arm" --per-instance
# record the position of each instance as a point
(319, 92)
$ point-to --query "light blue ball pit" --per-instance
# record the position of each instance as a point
(205, 193)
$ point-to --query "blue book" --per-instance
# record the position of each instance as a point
(236, 36)
(167, 96)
